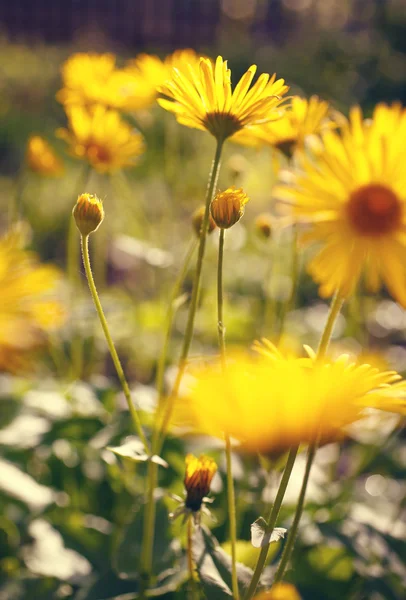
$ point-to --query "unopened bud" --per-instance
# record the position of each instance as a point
(88, 213)
(197, 221)
(263, 225)
(228, 207)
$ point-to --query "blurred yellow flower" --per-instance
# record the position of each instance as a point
(86, 79)
(280, 591)
(100, 136)
(149, 71)
(273, 401)
(204, 99)
(29, 307)
(301, 119)
(41, 158)
(353, 196)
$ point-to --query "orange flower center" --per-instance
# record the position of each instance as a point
(374, 210)
(98, 154)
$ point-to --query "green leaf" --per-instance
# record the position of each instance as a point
(260, 537)
(133, 449)
(214, 567)
(166, 550)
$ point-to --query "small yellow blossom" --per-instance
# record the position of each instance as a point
(198, 477)
(86, 78)
(280, 591)
(271, 401)
(29, 306)
(197, 221)
(352, 195)
(41, 158)
(264, 225)
(302, 119)
(101, 137)
(88, 213)
(204, 99)
(228, 207)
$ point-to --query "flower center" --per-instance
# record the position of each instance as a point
(222, 125)
(374, 210)
(98, 153)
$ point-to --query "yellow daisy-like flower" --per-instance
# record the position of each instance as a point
(101, 137)
(198, 477)
(272, 401)
(280, 591)
(228, 207)
(353, 197)
(41, 158)
(302, 119)
(149, 71)
(28, 307)
(204, 100)
(86, 78)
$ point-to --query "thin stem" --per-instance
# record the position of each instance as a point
(110, 343)
(189, 551)
(152, 476)
(232, 519)
(335, 308)
(272, 519)
(195, 291)
(287, 551)
(230, 481)
(287, 306)
(220, 321)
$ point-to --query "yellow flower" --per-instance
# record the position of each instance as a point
(41, 157)
(271, 401)
(149, 71)
(204, 100)
(197, 221)
(198, 477)
(280, 591)
(28, 307)
(100, 136)
(353, 195)
(302, 119)
(88, 213)
(86, 79)
(228, 207)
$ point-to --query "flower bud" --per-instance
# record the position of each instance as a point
(227, 207)
(263, 225)
(88, 213)
(198, 476)
(197, 221)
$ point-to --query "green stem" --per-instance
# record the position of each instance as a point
(152, 477)
(288, 305)
(230, 481)
(287, 551)
(110, 343)
(195, 291)
(272, 519)
(193, 591)
(335, 308)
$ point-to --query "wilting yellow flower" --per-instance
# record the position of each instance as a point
(204, 100)
(280, 591)
(28, 307)
(353, 195)
(88, 213)
(149, 71)
(302, 119)
(228, 207)
(101, 137)
(198, 477)
(272, 401)
(41, 158)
